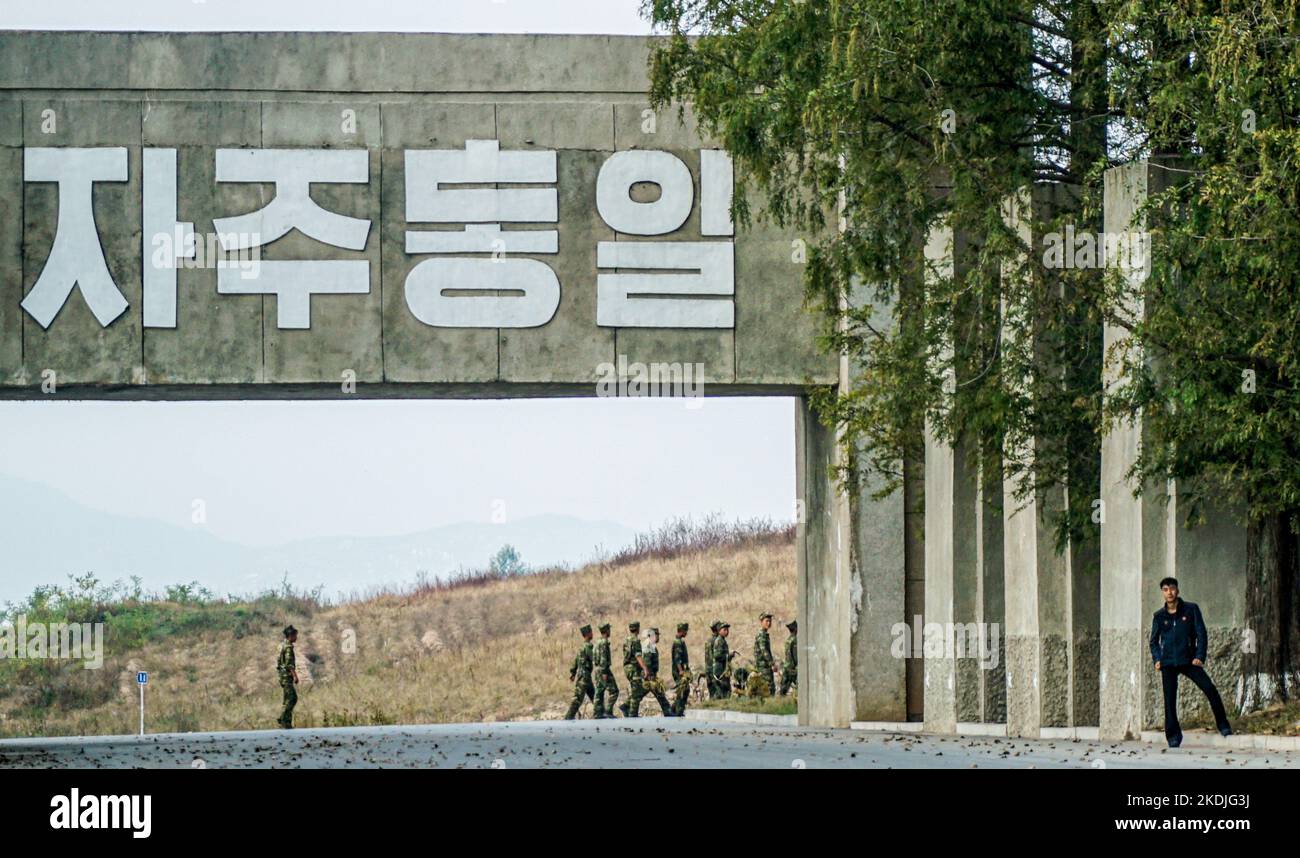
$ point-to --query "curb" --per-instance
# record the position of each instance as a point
(1237, 741)
(734, 717)
(1191, 739)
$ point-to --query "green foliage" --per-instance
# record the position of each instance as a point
(1216, 354)
(872, 121)
(507, 563)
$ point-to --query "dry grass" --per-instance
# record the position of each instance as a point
(497, 650)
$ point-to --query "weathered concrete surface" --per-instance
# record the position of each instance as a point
(325, 62)
(879, 564)
(581, 96)
(879, 551)
(825, 594)
(11, 238)
(76, 348)
(639, 743)
(990, 601)
(217, 338)
(954, 536)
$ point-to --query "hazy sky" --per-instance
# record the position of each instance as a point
(435, 16)
(268, 472)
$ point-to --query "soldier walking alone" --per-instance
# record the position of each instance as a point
(286, 666)
(606, 687)
(580, 673)
(681, 669)
(790, 667)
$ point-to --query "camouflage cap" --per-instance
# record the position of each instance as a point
(723, 625)
(655, 631)
(634, 626)
(604, 627)
(713, 626)
(585, 629)
(793, 625)
(683, 627)
(764, 616)
(290, 630)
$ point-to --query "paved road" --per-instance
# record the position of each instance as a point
(642, 743)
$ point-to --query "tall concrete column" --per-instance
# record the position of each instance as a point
(879, 564)
(951, 582)
(826, 606)
(963, 548)
(1049, 593)
(852, 583)
(1144, 538)
(990, 676)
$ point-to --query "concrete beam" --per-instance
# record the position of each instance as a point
(325, 62)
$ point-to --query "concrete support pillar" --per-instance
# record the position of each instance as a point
(1050, 596)
(1037, 630)
(950, 575)
(963, 584)
(990, 677)
(879, 605)
(852, 584)
(826, 604)
(1143, 538)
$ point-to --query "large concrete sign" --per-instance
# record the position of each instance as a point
(242, 215)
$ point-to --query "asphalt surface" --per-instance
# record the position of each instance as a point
(638, 743)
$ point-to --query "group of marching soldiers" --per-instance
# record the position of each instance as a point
(592, 672)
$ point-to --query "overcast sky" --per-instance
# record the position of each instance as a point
(432, 16)
(269, 472)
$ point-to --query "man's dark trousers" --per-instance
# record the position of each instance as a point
(1169, 677)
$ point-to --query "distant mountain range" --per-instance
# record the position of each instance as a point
(46, 535)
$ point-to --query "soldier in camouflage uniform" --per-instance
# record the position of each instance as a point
(708, 661)
(580, 673)
(606, 687)
(286, 666)
(653, 684)
(790, 667)
(681, 669)
(721, 661)
(634, 667)
(764, 664)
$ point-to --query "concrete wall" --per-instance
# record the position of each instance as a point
(580, 96)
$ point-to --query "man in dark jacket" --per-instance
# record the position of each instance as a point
(1178, 644)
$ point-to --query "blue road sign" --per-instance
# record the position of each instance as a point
(142, 677)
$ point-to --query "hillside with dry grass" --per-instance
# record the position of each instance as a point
(480, 647)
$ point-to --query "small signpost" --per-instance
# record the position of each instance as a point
(142, 679)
